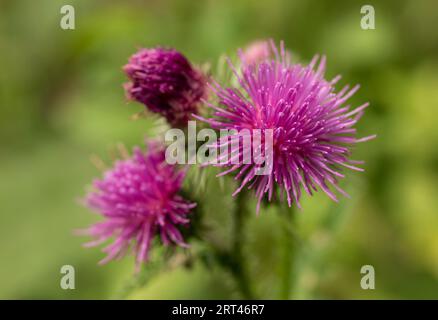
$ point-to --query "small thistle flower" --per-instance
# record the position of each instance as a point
(312, 127)
(256, 51)
(166, 83)
(139, 198)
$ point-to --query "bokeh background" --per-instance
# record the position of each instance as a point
(61, 101)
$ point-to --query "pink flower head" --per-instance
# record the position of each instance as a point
(255, 52)
(166, 83)
(313, 129)
(139, 198)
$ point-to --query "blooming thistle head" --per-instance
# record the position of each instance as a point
(138, 198)
(312, 127)
(166, 83)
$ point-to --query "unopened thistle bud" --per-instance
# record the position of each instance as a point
(166, 83)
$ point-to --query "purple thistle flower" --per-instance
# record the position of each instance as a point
(312, 127)
(139, 198)
(166, 83)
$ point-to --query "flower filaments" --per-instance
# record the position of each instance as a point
(139, 198)
(166, 83)
(313, 129)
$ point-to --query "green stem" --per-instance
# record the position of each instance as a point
(238, 238)
(137, 281)
(232, 259)
(288, 251)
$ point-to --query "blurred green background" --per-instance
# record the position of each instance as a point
(61, 100)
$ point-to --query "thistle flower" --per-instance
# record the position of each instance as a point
(312, 127)
(256, 51)
(139, 198)
(166, 83)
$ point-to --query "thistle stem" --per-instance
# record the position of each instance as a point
(238, 238)
(287, 215)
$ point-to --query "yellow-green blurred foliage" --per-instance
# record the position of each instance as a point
(61, 100)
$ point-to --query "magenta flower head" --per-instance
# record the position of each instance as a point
(139, 198)
(166, 83)
(312, 128)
